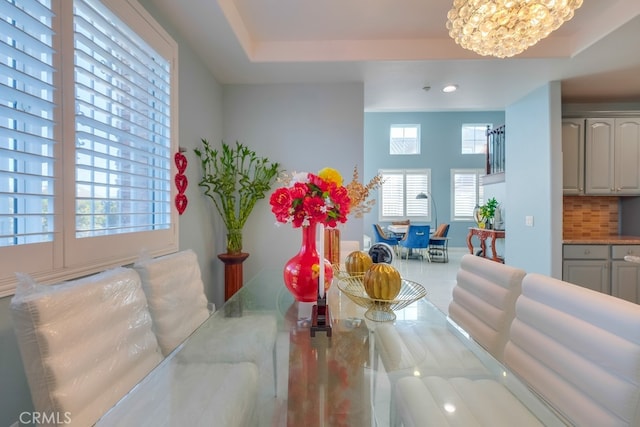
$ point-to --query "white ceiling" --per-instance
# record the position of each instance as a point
(396, 47)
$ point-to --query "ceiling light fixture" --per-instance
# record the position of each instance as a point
(450, 88)
(504, 28)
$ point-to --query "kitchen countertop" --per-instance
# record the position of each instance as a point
(604, 240)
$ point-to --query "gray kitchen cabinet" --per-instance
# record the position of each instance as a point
(625, 276)
(573, 156)
(625, 280)
(587, 266)
(599, 136)
(602, 268)
(612, 156)
(627, 155)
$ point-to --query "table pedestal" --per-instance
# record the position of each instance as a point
(483, 234)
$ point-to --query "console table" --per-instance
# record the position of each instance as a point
(483, 234)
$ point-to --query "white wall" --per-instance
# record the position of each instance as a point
(200, 117)
(534, 181)
(305, 127)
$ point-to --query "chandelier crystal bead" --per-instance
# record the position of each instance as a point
(505, 28)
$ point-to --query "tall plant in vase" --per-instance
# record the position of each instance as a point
(234, 178)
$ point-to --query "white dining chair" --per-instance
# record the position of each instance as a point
(483, 305)
(579, 349)
(483, 301)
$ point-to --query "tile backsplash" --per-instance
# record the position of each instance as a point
(590, 216)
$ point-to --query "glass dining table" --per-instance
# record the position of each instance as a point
(345, 379)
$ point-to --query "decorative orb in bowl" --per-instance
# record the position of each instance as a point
(379, 310)
(382, 281)
(357, 263)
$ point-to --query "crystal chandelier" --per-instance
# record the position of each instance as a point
(505, 28)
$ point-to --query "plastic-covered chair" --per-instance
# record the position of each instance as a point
(178, 305)
(382, 237)
(84, 343)
(417, 238)
(438, 244)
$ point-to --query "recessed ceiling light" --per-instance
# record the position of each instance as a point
(450, 88)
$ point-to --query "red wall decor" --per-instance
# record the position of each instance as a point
(181, 182)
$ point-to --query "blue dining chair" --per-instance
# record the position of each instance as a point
(382, 237)
(417, 238)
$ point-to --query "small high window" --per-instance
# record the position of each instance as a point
(404, 139)
(474, 138)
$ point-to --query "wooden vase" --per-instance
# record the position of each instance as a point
(332, 245)
(232, 272)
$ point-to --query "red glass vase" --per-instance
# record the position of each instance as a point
(300, 276)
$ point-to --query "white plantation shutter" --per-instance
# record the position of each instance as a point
(398, 194)
(417, 182)
(26, 124)
(392, 199)
(123, 169)
(28, 184)
(467, 192)
(88, 118)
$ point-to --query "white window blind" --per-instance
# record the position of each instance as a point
(26, 123)
(392, 196)
(87, 131)
(467, 192)
(417, 182)
(123, 170)
(398, 194)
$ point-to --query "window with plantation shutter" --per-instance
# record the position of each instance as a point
(466, 187)
(398, 194)
(86, 137)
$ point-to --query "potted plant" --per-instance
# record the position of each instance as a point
(234, 178)
(488, 212)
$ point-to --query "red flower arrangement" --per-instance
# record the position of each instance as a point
(308, 199)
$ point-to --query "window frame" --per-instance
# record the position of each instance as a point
(68, 257)
(426, 172)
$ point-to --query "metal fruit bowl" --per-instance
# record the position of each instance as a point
(378, 310)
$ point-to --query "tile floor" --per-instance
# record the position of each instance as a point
(437, 278)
